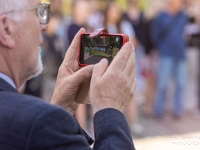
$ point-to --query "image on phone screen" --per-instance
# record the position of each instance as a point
(92, 50)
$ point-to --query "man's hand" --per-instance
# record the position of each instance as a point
(70, 77)
(113, 86)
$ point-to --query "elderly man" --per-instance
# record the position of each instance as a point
(30, 123)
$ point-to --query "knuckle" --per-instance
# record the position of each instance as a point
(114, 75)
(123, 60)
(123, 57)
(120, 78)
(84, 73)
(68, 81)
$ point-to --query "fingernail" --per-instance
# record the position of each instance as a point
(82, 29)
(103, 60)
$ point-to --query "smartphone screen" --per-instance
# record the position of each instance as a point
(92, 50)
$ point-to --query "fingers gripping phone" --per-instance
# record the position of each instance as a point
(93, 49)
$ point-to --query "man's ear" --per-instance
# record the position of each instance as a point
(6, 32)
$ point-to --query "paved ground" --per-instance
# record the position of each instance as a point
(189, 141)
(169, 133)
(169, 125)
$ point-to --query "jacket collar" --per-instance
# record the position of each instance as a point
(4, 86)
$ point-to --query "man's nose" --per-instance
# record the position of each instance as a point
(44, 27)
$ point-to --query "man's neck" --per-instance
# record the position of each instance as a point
(10, 66)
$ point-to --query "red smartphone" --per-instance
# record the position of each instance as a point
(92, 50)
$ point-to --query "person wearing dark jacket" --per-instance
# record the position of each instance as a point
(29, 123)
(167, 35)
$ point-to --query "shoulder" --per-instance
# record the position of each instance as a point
(161, 15)
(24, 116)
(25, 105)
(160, 18)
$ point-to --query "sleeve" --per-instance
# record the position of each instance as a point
(127, 29)
(112, 131)
(56, 129)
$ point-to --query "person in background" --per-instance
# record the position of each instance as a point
(114, 22)
(80, 12)
(167, 34)
(96, 18)
(135, 17)
(56, 7)
(51, 56)
(192, 32)
(52, 49)
(33, 87)
(79, 17)
(56, 10)
(151, 60)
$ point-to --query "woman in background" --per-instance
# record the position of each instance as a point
(113, 21)
(78, 19)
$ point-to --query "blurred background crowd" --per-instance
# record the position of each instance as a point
(166, 35)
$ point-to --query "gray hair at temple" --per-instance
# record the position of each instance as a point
(13, 5)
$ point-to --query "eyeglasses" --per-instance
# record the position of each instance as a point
(43, 12)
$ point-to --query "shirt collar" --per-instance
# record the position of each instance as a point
(8, 79)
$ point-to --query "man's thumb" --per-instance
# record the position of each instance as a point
(83, 74)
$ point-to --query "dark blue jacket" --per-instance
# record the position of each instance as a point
(28, 123)
(172, 43)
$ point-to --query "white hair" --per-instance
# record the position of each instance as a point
(7, 6)
(38, 68)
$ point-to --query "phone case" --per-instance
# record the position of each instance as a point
(124, 37)
(83, 95)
